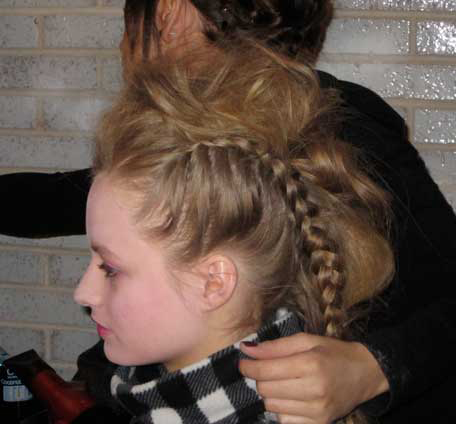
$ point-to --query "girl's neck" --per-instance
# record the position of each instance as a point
(217, 339)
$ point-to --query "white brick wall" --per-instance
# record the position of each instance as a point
(405, 50)
(59, 66)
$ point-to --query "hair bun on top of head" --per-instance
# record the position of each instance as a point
(291, 26)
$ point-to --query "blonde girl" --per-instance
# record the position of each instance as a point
(224, 209)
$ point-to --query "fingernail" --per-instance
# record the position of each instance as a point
(250, 344)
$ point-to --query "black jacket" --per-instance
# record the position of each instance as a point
(412, 333)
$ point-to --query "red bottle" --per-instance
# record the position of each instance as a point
(17, 404)
(65, 401)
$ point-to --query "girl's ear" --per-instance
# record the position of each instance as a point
(218, 278)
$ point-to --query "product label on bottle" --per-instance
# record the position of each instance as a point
(13, 389)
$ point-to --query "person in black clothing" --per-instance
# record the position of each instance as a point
(412, 338)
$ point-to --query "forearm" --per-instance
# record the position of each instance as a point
(39, 205)
(415, 356)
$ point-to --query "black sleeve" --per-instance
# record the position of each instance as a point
(414, 335)
(96, 371)
(36, 205)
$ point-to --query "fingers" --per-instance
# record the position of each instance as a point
(293, 389)
(290, 419)
(282, 347)
(272, 369)
(305, 364)
(292, 412)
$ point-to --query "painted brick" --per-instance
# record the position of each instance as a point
(47, 72)
(442, 166)
(66, 373)
(435, 126)
(73, 242)
(66, 270)
(73, 114)
(112, 74)
(436, 38)
(41, 307)
(119, 3)
(17, 112)
(67, 345)
(367, 36)
(18, 32)
(83, 31)
(450, 195)
(430, 82)
(48, 3)
(20, 267)
(18, 340)
(45, 152)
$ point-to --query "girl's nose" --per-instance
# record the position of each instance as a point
(89, 291)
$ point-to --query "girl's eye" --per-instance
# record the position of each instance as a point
(109, 271)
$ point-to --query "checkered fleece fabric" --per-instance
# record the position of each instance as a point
(211, 391)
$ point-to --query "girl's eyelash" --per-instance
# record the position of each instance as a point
(109, 271)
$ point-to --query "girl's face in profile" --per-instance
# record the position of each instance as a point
(141, 315)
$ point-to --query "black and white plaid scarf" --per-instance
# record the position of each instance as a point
(211, 391)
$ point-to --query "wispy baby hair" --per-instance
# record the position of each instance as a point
(239, 156)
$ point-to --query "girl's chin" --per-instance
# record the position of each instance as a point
(122, 358)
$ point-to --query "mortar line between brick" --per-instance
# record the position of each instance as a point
(435, 147)
(423, 103)
(79, 94)
(43, 133)
(355, 59)
(45, 250)
(51, 327)
(35, 288)
(60, 52)
(59, 11)
(393, 14)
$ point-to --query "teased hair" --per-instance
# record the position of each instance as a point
(240, 156)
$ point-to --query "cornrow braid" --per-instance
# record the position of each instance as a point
(314, 262)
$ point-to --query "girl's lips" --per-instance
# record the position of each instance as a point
(102, 331)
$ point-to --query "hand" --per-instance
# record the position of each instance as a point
(312, 379)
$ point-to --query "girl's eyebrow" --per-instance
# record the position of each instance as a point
(103, 251)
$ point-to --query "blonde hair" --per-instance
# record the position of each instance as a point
(240, 155)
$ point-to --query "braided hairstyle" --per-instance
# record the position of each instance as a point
(240, 157)
(296, 28)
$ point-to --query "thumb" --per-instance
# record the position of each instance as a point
(282, 347)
